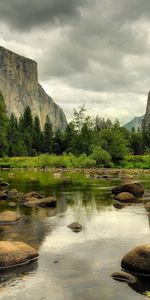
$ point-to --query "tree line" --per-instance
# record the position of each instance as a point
(97, 137)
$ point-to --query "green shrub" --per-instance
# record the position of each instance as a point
(101, 156)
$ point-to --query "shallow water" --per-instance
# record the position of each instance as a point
(73, 265)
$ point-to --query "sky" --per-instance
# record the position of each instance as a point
(91, 52)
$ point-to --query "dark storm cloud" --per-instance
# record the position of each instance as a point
(96, 50)
(26, 14)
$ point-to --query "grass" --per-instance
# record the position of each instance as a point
(136, 162)
(71, 161)
(51, 161)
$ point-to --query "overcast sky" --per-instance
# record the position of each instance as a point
(95, 52)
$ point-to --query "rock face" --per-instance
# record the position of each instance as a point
(135, 123)
(146, 121)
(15, 253)
(20, 88)
(137, 260)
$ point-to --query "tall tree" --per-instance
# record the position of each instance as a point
(26, 129)
(37, 135)
(47, 136)
(3, 127)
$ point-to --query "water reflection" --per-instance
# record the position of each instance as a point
(84, 260)
(19, 273)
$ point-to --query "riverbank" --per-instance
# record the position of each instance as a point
(72, 162)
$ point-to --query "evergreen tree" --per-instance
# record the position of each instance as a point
(37, 135)
(47, 136)
(26, 130)
(13, 135)
(3, 127)
(59, 144)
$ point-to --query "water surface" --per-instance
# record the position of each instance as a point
(73, 265)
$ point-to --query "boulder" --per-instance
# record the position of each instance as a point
(135, 188)
(137, 260)
(125, 197)
(9, 217)
(13, 193)
(3, 184)
(13, 254)
(12, 204)
(44, 202)
(124, 276)
(3, 196)
(32, 195)
(75, 227)
(118, 204)
(147, 206)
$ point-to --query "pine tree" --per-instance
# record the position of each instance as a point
(3, 127)
(26, 129)
(47, 136)
(37, 135)
(13, 135)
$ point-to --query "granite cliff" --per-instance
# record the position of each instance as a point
(146, 122)
(20, 88)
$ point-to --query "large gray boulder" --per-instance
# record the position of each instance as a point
(137, 260)
(13, 254)
(135, 188)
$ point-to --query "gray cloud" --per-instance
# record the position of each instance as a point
(95, 51)
(26, 14)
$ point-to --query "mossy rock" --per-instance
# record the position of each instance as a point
(125, 197)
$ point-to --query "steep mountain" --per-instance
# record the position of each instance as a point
(147, 115)
(20, 88)
(136, 123)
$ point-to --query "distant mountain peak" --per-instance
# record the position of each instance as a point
(136, 122)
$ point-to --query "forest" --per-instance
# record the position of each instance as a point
(90, 141)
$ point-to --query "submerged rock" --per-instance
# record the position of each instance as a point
(147, 206)
(118, 204)
(125, 197)
(137, 260)
(9, 217)
(124, 276)
(12, 204)
(75, 227)
(135, 188)
(3, 196)
(13, 254)
(30, 195)
(13, 193)
(3, 184)
(44, 202)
